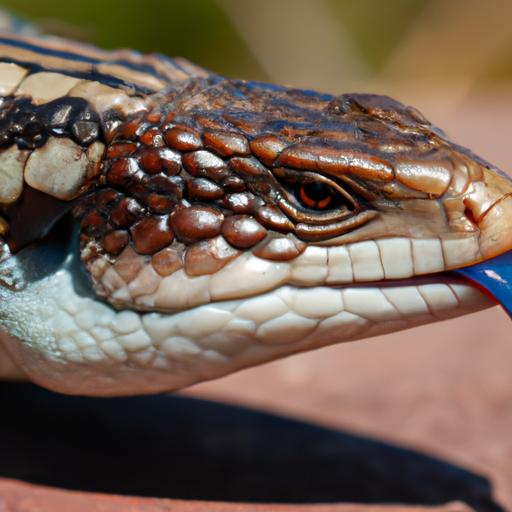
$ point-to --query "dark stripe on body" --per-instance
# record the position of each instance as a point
(94, 76)
(142, 67)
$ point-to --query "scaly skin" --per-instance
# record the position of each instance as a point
(218, 223)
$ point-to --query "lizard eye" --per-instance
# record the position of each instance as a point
(315, 195)
(308, 195)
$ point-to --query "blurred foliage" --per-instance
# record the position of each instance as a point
(196, 29)
(499, 69)
(376, 27)
(202, 30)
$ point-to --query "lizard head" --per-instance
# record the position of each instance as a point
(231, 223)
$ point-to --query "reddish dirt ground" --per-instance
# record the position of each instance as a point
(16, 497)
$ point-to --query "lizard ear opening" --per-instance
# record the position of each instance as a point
(33, 217)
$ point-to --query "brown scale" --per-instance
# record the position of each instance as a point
(183, 139)
(272, 217)
(196, 222)
(249, 168)
(115, 241)
(208, 256)
(162, 193)
(154, 160)
(267, 148)
(205, 164)
(243, 202)
(226, 144)
(243, 231)
(152, 137)
(126, 212)
(150, 161)
(151, 234)
(233, 184)
(202, 189)
(166, 261)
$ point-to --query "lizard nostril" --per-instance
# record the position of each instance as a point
(468, 213)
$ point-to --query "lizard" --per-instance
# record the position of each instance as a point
(161, 225)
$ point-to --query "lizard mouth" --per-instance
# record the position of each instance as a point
(75, 342)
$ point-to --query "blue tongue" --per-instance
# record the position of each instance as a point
(495, 276)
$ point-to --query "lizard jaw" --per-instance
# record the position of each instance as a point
(66, 338)
(74, 343)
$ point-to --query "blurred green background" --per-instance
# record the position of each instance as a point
(331, 44)
(450, 58)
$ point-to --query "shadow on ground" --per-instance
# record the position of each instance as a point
(175, 447)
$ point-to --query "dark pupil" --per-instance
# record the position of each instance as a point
(316, 191)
